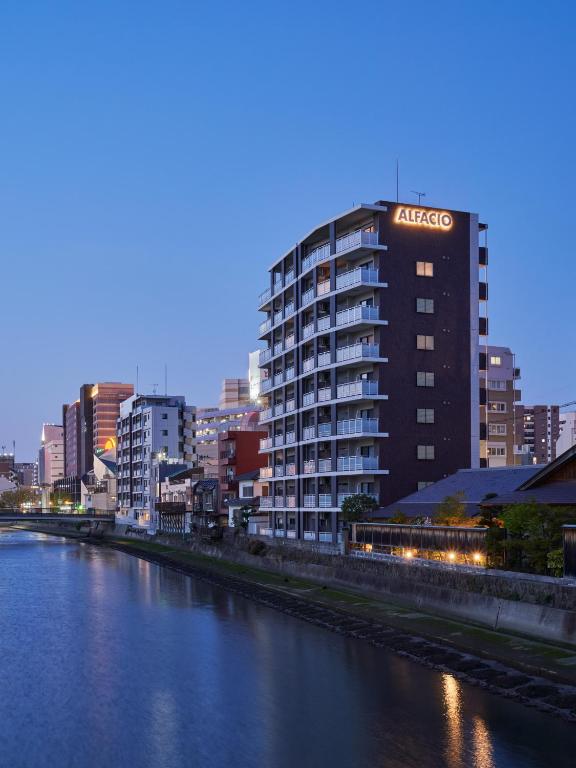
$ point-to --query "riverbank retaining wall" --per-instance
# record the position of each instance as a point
(540, 607)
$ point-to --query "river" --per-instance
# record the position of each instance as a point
(106, 660)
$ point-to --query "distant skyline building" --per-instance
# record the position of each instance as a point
(90, 424)
(370, 364)
(539, 431)
(254, 375)
(234, 393)
(567, 436)
(27, 473)
(499, 381)
(210, 422)
(155, 436)
(51, 454)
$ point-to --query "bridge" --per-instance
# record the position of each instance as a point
(37, 515)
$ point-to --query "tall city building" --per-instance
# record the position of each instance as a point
(567, 432)
(370, 368)
(499, 431)
(90, 424)
(155, 434)
(7, 464)
(51, 455)
(27, 473)
(539, 431)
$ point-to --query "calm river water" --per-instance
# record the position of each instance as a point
(106, 660)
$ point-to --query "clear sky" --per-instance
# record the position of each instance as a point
(157, 156)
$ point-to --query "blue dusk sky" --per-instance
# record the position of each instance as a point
(157, 156)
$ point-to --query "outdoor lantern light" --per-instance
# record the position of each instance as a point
(452, 556)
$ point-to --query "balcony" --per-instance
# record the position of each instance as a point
(265, 326)
(290, 438)
(321, 253)
(324, 500)
(266, 473)
(289, 375)
(266, 502)
(324, 358)
(307, 297)
(364, 388)
(278, 317)
(323, 288)
(357, 352)
(278, 501)
(307, 331)
(278, 409)
(308, 433)
(290, 470)
(310, 501)
(278, 441)
(278, 378)
(289, 309)
(309, 467)
(265, 296)
(356, 426)
(290, 405)
(277, 348)
(265, 355)
(265, 443)
(309, 536)
(289, 342)
(290, 534)
(356, 314)
(324, 323)
(279, 470)
(265, 415)
(355, 239)
(291, 502)
(266, 531)
(324, 465)
(324, 394)
(289, 277)
(265, 385)
(357, 463)
(325, 429)
(308, 399)
(325, 537)
(356, 277)
(279, 532)
(308, 364)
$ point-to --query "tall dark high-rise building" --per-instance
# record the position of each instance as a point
(371, 364)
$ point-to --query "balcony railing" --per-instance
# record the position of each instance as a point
(323, 288)
(289, 277)
(265, 326)
(265, 443)
(265, 385)
(325, 429)
(279, 532)
(324, 323)
(290, 470)
(309, 433)
(324, 500)
(310, 501)
(265, 415)
(278, 316)
(266, 502)
(309, 536)
(309, 466)
(278, 501)
(357, 463)
(324, 394)
(325, 537)
(277, 348)
(278, 409)
(290, 405)
(356, 426)
(354, 388)
(289, 342)
(324, 465)
(324, 359)
(265, 295)
(289, 373)
(354, 314)
(278, 441)
(356, 351)
(266, 531)
(307, 296)
(291, 502)
(265, 355)
(354, 239)
(279, 470)
(317, 255)
(308, 364)
(290, 534)
(307, 331)
(308, 398)
(289, 309)
(357, 276)
(290, 438)
(278, 378)
(266, 472)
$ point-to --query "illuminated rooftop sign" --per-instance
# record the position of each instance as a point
(423, 217)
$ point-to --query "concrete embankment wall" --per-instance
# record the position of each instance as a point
(537, 606)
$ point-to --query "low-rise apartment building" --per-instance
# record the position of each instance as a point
(500, 394)
(539, 430)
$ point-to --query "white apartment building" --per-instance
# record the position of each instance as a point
(567, 432)
(156, 435)
(51, 454)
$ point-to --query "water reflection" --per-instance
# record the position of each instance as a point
(171, 672)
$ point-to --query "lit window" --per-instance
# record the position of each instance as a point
(497, 406)
(424, 342)
(424, 379)
(425, 306)
(495, 360)
(424, 269)
(425, 452)
(497, 450)
(425, 415)
(497, 429)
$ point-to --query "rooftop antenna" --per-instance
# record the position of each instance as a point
(165, 379)
(420, 195)
(397, 181)
(137, 393)
(154, 388)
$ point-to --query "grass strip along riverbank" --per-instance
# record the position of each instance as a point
(532, 673)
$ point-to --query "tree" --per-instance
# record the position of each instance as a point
(534, 536)
(398, 517)
(14, 499)
(452, 511)
(357, 507)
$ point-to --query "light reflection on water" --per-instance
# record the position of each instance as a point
(108, 660)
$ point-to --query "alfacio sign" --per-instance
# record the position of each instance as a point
(423, 217)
